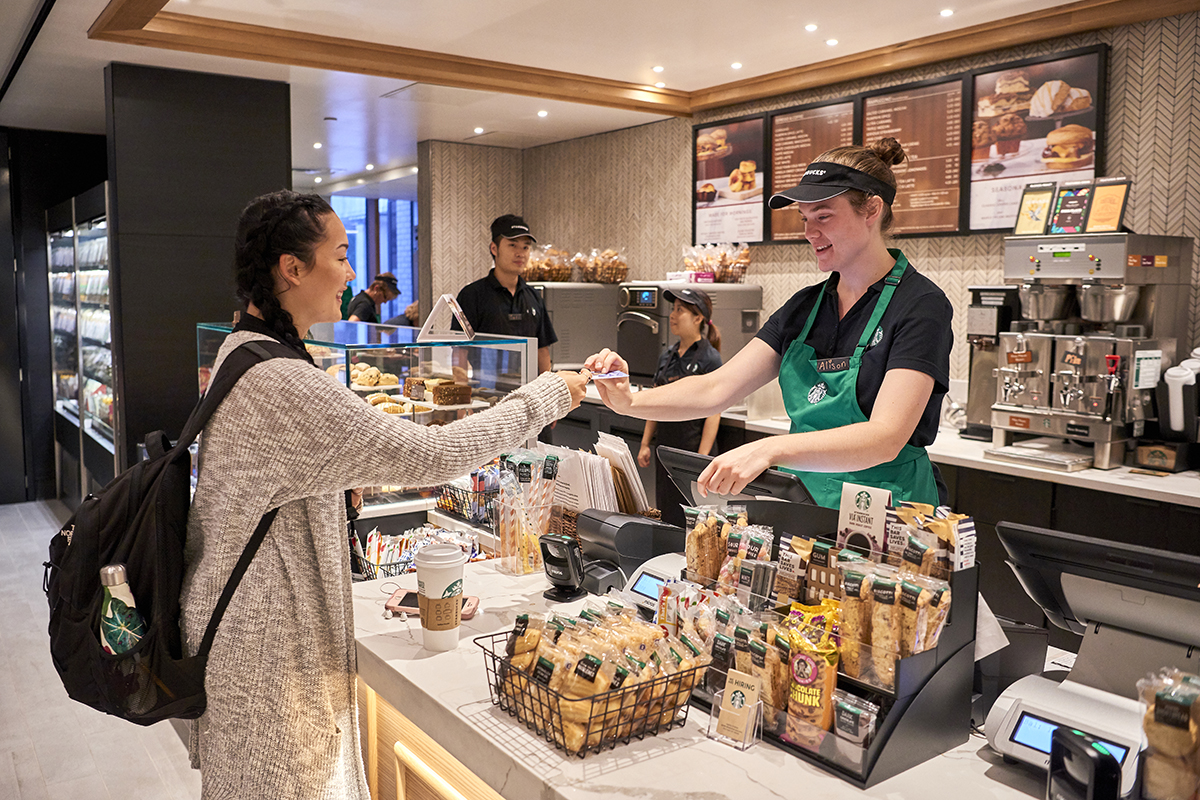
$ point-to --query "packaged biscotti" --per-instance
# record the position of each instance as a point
(917, 557)
(778, 680)
(937, 612)
(914, 606)
(856, 617)
(721, 652)
(885, 624)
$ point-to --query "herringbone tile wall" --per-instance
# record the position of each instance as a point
(631, 188)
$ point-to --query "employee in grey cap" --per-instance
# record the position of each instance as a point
(696, 353)
(863, 358)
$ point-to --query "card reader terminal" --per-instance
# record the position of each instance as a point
(644, 582)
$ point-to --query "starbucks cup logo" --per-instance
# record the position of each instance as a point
(817, 393)
(453, 589)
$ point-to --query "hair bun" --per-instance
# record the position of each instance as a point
(889, 150)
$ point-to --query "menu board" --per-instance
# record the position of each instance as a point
(1032, 120)
(797, 138)
(728, 186)
(927, 121)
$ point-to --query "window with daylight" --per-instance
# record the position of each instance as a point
(396, 222)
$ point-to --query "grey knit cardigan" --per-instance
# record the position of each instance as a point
(281, 720)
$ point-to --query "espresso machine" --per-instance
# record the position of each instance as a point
(1100, 318)
(992, 311)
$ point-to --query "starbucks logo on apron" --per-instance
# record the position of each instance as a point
(878, 337)
(817, 393)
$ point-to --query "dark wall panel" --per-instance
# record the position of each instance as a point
(45, 168)
(12, 441)
(187, 151)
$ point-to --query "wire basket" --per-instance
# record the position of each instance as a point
(590, 724)
(731, 273)
(371, 571)
(468, 505)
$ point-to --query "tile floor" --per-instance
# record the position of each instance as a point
(50, 746)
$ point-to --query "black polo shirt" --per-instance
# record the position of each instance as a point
(490, 308)
(699, 359)
(913, 334)
(363, 307)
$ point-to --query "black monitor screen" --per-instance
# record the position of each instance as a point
(685, 467)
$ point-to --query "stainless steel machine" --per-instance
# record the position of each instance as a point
(1100, 318)
(584, 316)
(992, 311)
(643, 328)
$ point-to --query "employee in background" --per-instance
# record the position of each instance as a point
(696, 353)
(863, 358)
(501, 302)
(365, 305)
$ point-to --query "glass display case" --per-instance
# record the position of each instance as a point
(81, 361)
(424, 381)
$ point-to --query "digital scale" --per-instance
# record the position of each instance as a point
(644, 584)
(1024, 718)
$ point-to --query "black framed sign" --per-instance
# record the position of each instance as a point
(927, 119)
(1034, 212)
(797, 136)
(1109, 200)
(1035, 120)
(729, 176)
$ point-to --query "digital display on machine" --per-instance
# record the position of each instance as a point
(1035, 732)
(644, 298)
(647, 585)
(1063, 255)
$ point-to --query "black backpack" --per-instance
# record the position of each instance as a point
(140, 520)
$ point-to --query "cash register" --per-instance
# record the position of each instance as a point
(1137, 608)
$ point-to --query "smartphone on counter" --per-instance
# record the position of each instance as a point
(406, 600)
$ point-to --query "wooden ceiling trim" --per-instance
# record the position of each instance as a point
(1087, 15)
(126, 15)
(258, 43)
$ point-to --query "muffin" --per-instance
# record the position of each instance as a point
(1009, 130)
(706, 193)
(982, 139)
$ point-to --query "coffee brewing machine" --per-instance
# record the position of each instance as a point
(1100, 316)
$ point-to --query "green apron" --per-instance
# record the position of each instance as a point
(822, 394)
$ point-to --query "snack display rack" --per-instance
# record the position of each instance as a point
(926, 712)
(467, 505)
(611, 718)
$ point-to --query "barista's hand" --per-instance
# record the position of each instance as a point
(356, 499)
(729, 472)
(577, 384)
(644, 456)
(460, 375)
(615, 391)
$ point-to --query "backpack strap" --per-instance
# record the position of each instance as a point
(235, 578)
(235, 365)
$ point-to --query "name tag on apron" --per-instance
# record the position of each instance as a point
(832, 364)
(515, 317)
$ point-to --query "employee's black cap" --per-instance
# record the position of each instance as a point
(510, 226)
(695, 297)
(823, 180)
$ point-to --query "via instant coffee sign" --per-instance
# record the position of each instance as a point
(862, 517)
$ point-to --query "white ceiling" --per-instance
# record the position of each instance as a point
(378, 121)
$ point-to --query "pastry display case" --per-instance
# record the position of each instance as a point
(428, 382)
(81, 360)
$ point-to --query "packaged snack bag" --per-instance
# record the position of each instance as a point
(856, 617)
(813, 670)
(885, 625)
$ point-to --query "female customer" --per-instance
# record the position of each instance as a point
(281, 718)
(862, 358)
(365, 305)
(696, 353)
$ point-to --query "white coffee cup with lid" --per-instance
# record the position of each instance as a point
(440, 594)
(1176, 378)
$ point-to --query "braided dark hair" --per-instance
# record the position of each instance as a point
(272, 225)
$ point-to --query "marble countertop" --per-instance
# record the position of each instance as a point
(446, 694)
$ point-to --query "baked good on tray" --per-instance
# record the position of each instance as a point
(414, 388)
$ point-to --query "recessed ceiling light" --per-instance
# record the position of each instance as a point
(316, 145)
(810, 27)
(736, 65)
(543, 113)
(947, 12)
(360, 181)
(414, 169)
(370, 167)
(831, 42)
(316, 180)
(479, 130)
(660, 85)
(658, 69)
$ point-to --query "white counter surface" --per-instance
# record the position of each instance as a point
(446, 695)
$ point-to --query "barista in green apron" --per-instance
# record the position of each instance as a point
(820, 394)
(863, 358)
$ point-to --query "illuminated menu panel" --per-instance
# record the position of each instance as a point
(927, 121)
(797, 138)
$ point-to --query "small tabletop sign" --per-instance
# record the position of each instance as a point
(1034, 212)
(739, 706)
(862, 517)
(1109, 200)
(437, 326)
(1071, 207)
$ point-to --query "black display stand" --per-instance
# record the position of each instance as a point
(930, 709)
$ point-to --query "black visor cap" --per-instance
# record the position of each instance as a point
(823, 180)
(693, 297)
(516, 231)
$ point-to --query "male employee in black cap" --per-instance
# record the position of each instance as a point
(502, 302)
(365, 305)
(863, 358)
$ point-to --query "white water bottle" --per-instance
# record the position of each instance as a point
(121, 624)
